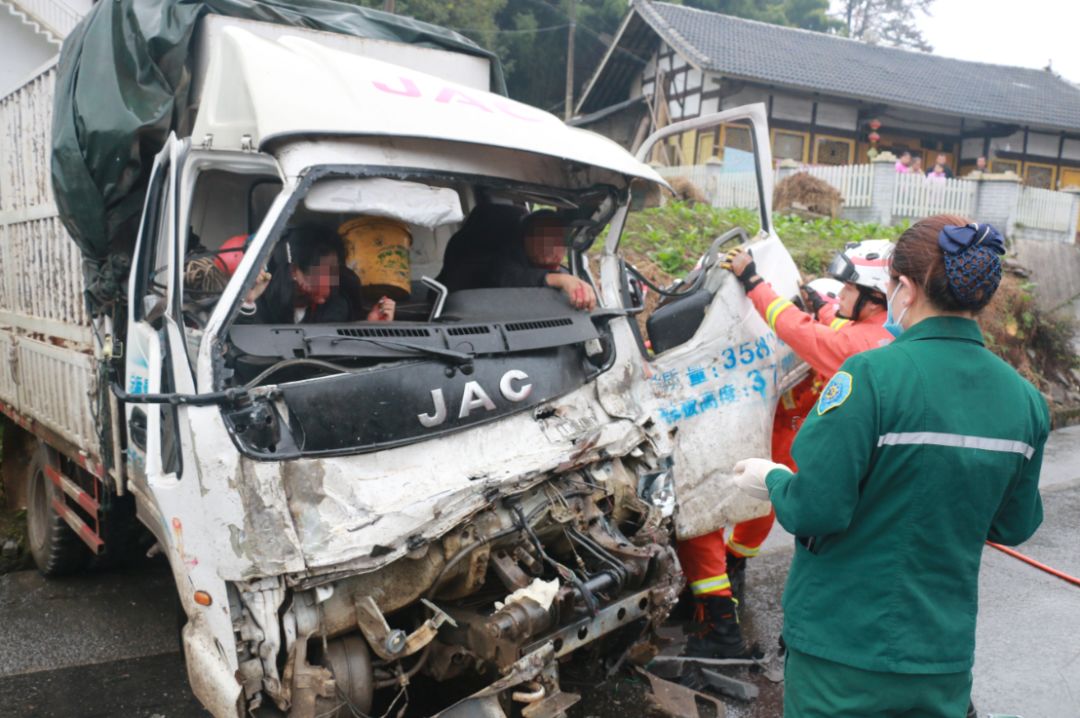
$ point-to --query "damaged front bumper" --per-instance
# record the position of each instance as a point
(482, 618)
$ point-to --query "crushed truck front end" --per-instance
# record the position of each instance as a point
(381, 522)
(434, 571)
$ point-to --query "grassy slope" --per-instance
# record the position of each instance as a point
(666, 242)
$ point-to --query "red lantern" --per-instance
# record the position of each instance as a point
(875, 124)
(874, 137)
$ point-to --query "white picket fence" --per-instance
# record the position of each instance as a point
(854, 182)
(1045, 209)
(735, 190)
(913, 195)
(919, 196)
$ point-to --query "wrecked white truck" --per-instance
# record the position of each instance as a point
(445, 513)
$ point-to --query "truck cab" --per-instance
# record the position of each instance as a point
(449, 510)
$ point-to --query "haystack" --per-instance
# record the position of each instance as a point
(686, 191)
(801, 193)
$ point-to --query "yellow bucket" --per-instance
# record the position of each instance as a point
(377, 249)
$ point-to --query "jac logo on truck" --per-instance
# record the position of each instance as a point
(449, 95)
(512, 386)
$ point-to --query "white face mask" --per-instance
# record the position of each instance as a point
(892, 323)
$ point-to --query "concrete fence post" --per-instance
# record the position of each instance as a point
(714, 170)
(1074, 215)
(883, 187)
(997, 200)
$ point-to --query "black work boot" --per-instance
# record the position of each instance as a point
(736, 571)
(720, 635)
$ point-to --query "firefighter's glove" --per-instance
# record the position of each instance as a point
(813, 299)
(750, 477)
(741, 263)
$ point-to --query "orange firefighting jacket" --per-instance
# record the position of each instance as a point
(824, 346)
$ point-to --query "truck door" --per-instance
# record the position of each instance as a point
(708, 369)
(152, 438)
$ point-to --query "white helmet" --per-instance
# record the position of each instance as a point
(864, 264)
(828, 288)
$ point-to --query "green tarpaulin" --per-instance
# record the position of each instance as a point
(123, 84)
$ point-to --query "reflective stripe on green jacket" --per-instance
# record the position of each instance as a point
(916, 454)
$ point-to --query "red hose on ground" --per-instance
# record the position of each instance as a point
(1041, 566)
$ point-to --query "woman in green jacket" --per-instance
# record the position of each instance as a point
(916, 454)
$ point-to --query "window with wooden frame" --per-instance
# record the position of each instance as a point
(833, 150)
(737, 137)
(1070, 177)
(1039, 175)
(788, 145)
(998, 166)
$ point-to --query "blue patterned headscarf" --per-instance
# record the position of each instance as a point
(972, 262)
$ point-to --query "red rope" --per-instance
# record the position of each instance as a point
(1041, 566)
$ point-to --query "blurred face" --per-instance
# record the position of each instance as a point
(545, 244)
(319, 280)
(981, 163)
(941, 160)
(905, 158)
(849, 295)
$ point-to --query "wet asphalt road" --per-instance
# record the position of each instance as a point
(104, 645)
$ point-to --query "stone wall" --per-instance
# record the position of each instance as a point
(1054, 267)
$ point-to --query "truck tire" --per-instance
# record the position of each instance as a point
(56, 549)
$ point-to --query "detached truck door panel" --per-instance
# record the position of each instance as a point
(716, 392)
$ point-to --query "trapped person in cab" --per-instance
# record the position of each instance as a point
(536, 260)
(715, 568)
(309, 284)
(916, 454)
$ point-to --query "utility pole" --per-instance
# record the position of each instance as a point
(389, 5)
(568, 110)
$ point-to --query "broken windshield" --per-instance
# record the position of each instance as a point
(435, 302)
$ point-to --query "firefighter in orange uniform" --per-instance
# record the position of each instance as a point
(715, 568)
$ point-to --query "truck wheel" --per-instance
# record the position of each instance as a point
(56, 549)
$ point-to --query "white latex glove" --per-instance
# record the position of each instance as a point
(750, 476)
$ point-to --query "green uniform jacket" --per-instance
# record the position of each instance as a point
(916, 454)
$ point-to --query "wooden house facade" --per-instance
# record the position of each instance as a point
(827, 97)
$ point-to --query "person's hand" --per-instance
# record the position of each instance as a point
(383, 311)
(260, 286)
(750, 477)
(578, 292)
(812, 299)
(741, 263)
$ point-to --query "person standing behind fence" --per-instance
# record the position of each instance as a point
(942, 161)
(903, 165)
(916, 455)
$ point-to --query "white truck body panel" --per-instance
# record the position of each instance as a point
(469, 70)
(333, 92)
(46, 352)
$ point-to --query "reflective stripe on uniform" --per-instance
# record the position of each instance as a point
(837, 323)
(773, 310)
(709, 585)
(741, 550)
(956, 440)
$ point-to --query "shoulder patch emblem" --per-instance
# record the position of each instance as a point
(836, 392)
